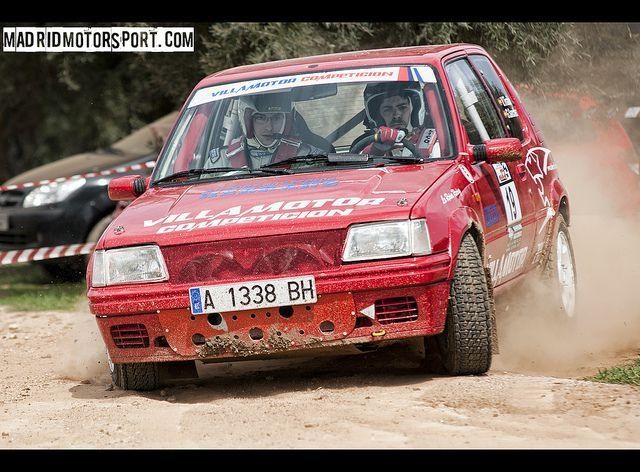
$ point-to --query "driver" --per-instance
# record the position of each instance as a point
(267, 122)
(396, 111)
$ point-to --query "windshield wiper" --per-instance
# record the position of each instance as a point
(213, 170)
(266, 170)
(333, 158)
(308, 157)
(194, 172)
(402, 158)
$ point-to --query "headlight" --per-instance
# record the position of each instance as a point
(52, 193)
(385, 240)
(128, 265)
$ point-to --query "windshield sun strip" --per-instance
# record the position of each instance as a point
(421, 73)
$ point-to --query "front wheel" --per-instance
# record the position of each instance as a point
(140, 376)
(464, 347)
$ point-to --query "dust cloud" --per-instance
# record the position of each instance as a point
(605, 229)
(83, 353)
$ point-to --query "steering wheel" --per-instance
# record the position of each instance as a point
(363, 142)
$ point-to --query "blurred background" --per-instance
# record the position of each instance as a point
(54, 105)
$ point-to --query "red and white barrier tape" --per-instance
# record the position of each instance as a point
(115, 170)
(40, 253)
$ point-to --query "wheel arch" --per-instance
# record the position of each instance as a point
(462, 221)
(563, 209)
(465, 221)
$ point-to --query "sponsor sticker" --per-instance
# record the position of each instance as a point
(491, 214)
(450, 195)
(465, 172)
(371, 74)
(509, 263)
(502, 172)
(281, 210)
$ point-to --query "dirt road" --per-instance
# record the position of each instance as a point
(56, 394)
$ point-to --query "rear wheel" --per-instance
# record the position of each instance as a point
(560, 274)
(464, 347)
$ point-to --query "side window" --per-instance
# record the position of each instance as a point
(499, 93)
(477, 112)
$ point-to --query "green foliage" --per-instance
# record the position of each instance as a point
(629, 374)
(27, 288)
(235, 44)
(54, 105)
(602, 59)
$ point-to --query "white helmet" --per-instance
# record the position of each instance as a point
(375, 93)
(265, 103)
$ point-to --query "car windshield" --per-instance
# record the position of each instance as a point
(318, 122)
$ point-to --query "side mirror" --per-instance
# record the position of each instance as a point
(498, 150)
(127, 188)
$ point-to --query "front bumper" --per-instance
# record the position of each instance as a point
(360, 303)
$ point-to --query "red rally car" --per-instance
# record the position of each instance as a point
(344, 200)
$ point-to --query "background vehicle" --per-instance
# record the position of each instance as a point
(74, 211)
(602, 140)
(221, 260)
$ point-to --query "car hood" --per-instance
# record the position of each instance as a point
(77, 164)
(286, 204)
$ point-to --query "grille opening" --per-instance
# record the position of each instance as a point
(160, 341)
(327, 327)
(198, 339)
(363, 322)
(214, 319)
(129, 336)
(396, 310)
(256, 334)
(286, 311)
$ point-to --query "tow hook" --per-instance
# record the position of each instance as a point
(377, 334)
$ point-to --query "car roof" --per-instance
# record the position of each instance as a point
(342, 60)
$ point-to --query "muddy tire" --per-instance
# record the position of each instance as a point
(140, 376)
(464, 347)
(559, 273)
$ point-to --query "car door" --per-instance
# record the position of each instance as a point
(506, 197)
(536, 162)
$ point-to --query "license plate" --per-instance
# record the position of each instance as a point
(253, 295)
(4, 222)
